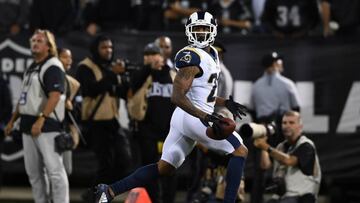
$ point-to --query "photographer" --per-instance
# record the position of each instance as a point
(271, 96)
(156, 78)
(101, 90)
(296, 168)
(41, 109)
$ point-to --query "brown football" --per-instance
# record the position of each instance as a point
(227, 127)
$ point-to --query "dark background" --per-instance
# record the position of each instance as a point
(333, 64)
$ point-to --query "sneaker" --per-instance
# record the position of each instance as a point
(102, 194)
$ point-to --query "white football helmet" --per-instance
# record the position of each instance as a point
(201, 39)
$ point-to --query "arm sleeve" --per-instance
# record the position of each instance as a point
(92, 88)
(54, 80)
(138, 78)
(294, 97)
(306, 158)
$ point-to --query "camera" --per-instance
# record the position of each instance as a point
(127, 65)
(130, 66)
(277, 186)
(256, 130)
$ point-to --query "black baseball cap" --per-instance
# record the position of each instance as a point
(151, 49)
(269, 58)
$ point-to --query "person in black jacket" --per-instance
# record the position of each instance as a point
(153, 129)
(101, 90)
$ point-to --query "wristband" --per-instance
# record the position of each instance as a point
(270, 149)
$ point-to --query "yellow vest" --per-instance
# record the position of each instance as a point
(108, 108)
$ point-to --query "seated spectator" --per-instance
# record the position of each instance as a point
(257, 7)
(346, 15)
(13, 16)
(107, 15)
(56, 16)
(148, 15)
(292, 19)
(232, 15)
(178, 11)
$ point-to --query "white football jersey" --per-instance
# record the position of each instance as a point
(204, 87)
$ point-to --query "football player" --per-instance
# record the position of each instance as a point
(194, 93)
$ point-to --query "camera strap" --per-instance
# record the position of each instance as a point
(92, 115)
(68, 112)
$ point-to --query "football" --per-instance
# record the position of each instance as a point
(226, 127)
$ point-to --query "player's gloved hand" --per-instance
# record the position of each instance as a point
(235, 108)
(215, 119)
(212, 118)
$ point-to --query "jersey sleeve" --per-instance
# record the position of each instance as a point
(187, 57)
(54, 79)
(306, 158)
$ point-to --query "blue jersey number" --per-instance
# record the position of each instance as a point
(212, 79)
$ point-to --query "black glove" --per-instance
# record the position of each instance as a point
(216, 120)
(235, 108)
(213, 118)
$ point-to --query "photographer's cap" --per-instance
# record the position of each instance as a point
(151, 49)
(269, 59)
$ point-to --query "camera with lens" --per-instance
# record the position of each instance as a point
(256, 130)
(127, 64)
(277, 186)
(128, 68)
(131, 66)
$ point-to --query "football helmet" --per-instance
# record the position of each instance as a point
(201, 38)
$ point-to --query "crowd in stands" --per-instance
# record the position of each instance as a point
(279, 17)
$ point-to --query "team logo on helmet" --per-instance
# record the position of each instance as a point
(201, 38)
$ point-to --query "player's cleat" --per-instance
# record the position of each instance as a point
(102, 194)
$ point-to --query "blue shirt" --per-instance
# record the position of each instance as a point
(273, 94)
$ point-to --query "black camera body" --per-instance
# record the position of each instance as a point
(256, 130)
(63, 142)
(277, 186)
(130, 66)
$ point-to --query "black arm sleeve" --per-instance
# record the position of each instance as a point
(92, 88)
(54, 80)
(306, 158)
(138, 78)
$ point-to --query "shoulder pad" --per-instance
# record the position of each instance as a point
(187, 57)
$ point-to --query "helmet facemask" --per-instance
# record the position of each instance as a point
(198, 37)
